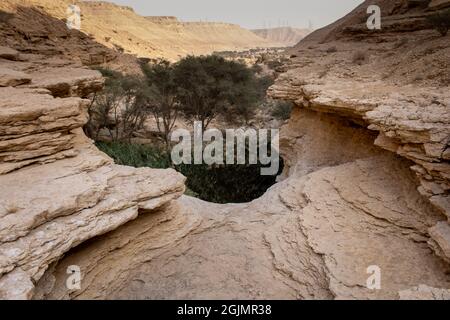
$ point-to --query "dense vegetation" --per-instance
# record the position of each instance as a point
(219, 184)
(135, 155)
(199, 89)
(211, 86)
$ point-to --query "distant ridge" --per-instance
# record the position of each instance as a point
(283, 36)
(121, 28)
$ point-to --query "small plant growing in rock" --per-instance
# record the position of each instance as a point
(282, 110)
(440, 21)
(359, 57)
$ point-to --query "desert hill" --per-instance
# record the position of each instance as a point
(121, 28)
(284, 36)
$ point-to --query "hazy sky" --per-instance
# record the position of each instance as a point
(248, 13)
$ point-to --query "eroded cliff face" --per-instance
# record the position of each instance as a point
(397, 85)
(120, 28)
(345, 206)
(56, 189)
(365, 184)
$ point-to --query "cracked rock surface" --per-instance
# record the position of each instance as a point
(56, 189)
(311, 236)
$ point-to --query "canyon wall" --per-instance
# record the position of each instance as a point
(122, 29)
(394, 82)
(56, 189)
(365, 183)
(345, 206)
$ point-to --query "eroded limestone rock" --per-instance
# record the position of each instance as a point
(366, 184)
(392, 93)
(56, 189)
(312, 236)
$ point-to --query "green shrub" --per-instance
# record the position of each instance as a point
(120, 108)
(219, 184)
(226, 183)
(135, 155)
(282, 110)
(440, 21)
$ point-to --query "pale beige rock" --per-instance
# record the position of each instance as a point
(349, 197)
(423, 292)
(68, 82)
(66, 191)
(34, 126)
(312, 236)
(441, 234)
(16, 285)
(11, 78)
(400, 91)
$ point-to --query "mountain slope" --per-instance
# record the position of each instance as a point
(284, 36)
(153, 37)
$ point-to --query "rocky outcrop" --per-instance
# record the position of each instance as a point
(312, 236)
(364, 191)
(56, 189)
(399, 90)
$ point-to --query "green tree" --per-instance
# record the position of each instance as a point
(162, 100)
(209, 86)
(120, 108)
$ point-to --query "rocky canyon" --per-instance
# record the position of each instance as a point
(366, 180)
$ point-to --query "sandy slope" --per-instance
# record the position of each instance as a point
(120, 27)
(284, 36)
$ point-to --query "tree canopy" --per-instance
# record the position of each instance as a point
(209, 86)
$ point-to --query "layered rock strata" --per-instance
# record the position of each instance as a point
(56, 189)
(365, 187)
(393, 83)
(344, 208)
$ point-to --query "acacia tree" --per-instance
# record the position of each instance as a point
(161, 96)
(209, 86)
(120, 108)
(132, 111)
